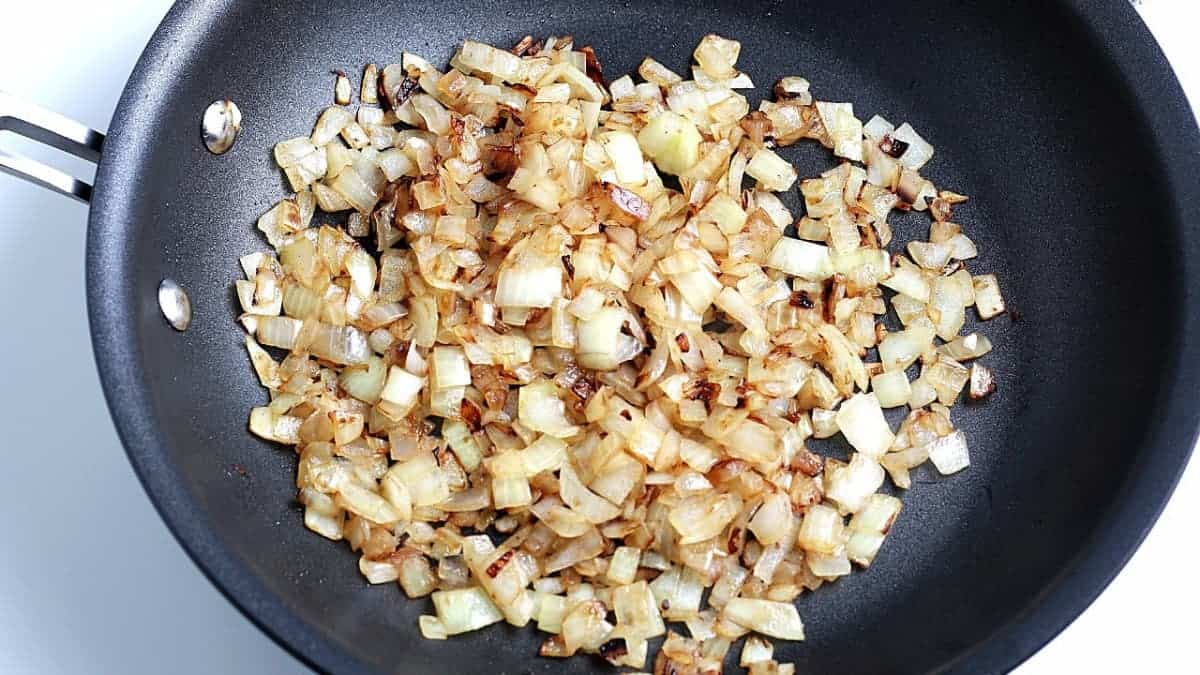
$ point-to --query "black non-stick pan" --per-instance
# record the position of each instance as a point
(1062, 120)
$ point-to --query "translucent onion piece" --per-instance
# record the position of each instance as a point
(919, 151)
(771, 171)
(949, 453)
(340, 344)
(774, 520)
(987, 296)
(891, 388)
(588, 504)
(849, 485)
(843, 128)
(622, 568)
(401, 391)
(626, 157)
(541, 409)
(801, 258)
(861, 421)
(702, 517)
(529, 287)
(776, 619)
(464, 610)
(967, 347)
(672, 141)
(821, 530)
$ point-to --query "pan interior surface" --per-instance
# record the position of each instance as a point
(1071, 207)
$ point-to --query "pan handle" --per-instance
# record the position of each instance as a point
(48, 127)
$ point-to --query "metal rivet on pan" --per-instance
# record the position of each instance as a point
(174, 303)
(222, 122)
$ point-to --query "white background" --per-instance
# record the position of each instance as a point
(90, 579)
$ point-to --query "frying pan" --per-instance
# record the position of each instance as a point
(1062, 120)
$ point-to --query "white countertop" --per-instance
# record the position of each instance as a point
(90, 579)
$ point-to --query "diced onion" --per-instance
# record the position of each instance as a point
(529, 287)
(702, 517)
(967, 347)
(773, 521)
(622, 568)
(464, 610)
(626, 156)
(949, 453)
(987, 296)
(891, 388)
(843, 127)
(801, 258)
(919, 151)
(901, 349)
(541, 409)
(432, 628)
(776, 619)
(851, 484)
(672, 141)
(401, 391)
(771, 171)
(861, 421)
(560, 387)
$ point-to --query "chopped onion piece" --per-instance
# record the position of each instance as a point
(340, 344)
(901, 349)
(432, 627)
(987, 296)
(588, 504)
(919, 151)
(329, 125)
(877, 514)
(702, 517)
(949, 453)
(910, 282)
(278, 331)
(756, 650)
(776, 619)
(771, 171)
(861, 421)
(450, 367)
(636, 609)
(626, 157)
(851, 484)
(464, 610)
(773, 521)
(801, 258)
(672, 141)
(602, 345)
(946, 307)
(891, 388)
(828, 566)
(877, 128)
(401, 391)
(424, 480)
(622, 568)
(983, 383)
(967, 347)
(821, 530)
(717, 56)
(529, 286)
(845, 130)
(541, 409)
(657, 73)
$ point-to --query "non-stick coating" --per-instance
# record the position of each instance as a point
(1061, 119)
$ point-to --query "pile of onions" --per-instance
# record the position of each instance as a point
(532, 381)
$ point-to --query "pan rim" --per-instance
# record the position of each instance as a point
(1169, 120)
